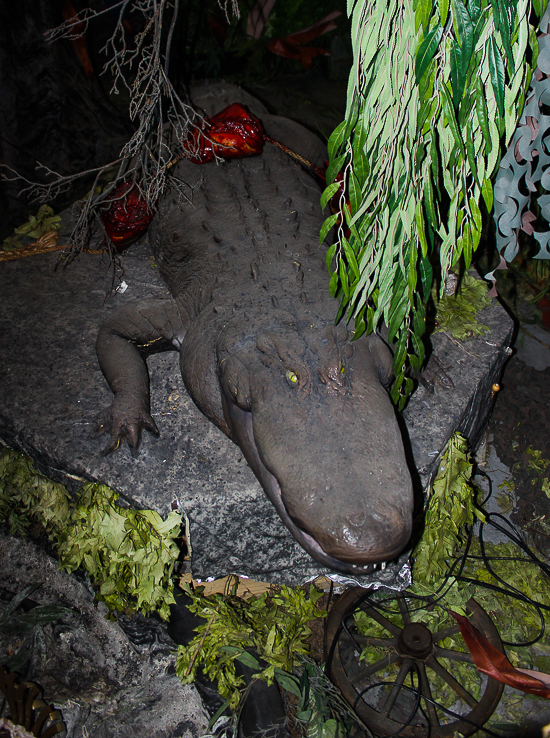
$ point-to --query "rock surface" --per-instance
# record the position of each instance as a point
(106, 682)
(52, 389)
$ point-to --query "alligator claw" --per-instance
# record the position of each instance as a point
(124, 426)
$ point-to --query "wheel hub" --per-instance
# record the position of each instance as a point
(415, 640)
(395, 693)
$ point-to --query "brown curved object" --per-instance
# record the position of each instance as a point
(414, 647)
(33, 714)
(44, 245)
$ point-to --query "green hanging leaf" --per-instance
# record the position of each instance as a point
(471, 153)
(330, 255)
(328, 193)
(334, 167)
(350, 256)
(420, 226)
(354, 192)
(426, 51)
(426, 275)
(398, 310)
(487, 192)
(467, 245)
(496, 69)
(400, 352)
(343, 278)
(503, 24)
(248, 660)
(481, 112)
(288, 682)
(327, 225)
(458, 79)
(462, 24)
(474, 10)
(461, 52)
(333, 285)
(431, 207)
(476, 215)
(336, 139)
(451, 119)
(411, 271)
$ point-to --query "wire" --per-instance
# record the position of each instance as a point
(455, 573)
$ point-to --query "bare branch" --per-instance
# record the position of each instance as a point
(164, 121)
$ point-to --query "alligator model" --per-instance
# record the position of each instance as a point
(260, 353)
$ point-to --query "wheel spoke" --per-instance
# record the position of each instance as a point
(446, 653)
(445, 633)
(396, 688)
(368, 671)
(451, 681)
(385, 643)
(381, 620)
(404, 610)
(427, 694)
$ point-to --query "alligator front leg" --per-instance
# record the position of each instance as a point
(123, 343)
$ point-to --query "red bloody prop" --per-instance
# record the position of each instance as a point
(231, 134)
(494, 663)
(126, 215)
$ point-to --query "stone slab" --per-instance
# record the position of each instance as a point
(51, 390)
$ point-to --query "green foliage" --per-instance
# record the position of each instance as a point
(435, 92)
(129, 554)
(321, 710)
(456, 314)
(451, 508)
(35, 227)
(26, 494)
(275, 627)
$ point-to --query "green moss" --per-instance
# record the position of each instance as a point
(456, 314)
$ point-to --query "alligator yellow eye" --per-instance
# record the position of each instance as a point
(342, 370)
(291, 378)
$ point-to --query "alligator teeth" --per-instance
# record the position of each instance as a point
(370, 567)
(383, 565)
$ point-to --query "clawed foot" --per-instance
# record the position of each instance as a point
(123, 424)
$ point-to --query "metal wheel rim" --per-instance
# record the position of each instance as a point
(468, 723)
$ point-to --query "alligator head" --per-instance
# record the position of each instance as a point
(311, 413)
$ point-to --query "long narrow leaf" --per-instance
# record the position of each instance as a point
(426, 51)
(494, 663)
(496, 68)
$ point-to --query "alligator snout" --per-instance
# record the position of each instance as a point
(357, 507)
(353, 533)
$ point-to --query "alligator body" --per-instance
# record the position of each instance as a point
(261, 357)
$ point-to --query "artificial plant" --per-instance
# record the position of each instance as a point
(435, 94)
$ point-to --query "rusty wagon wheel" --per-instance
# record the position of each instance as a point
(399, 690)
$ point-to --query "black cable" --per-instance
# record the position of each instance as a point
(432, 702)
(456, 572)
